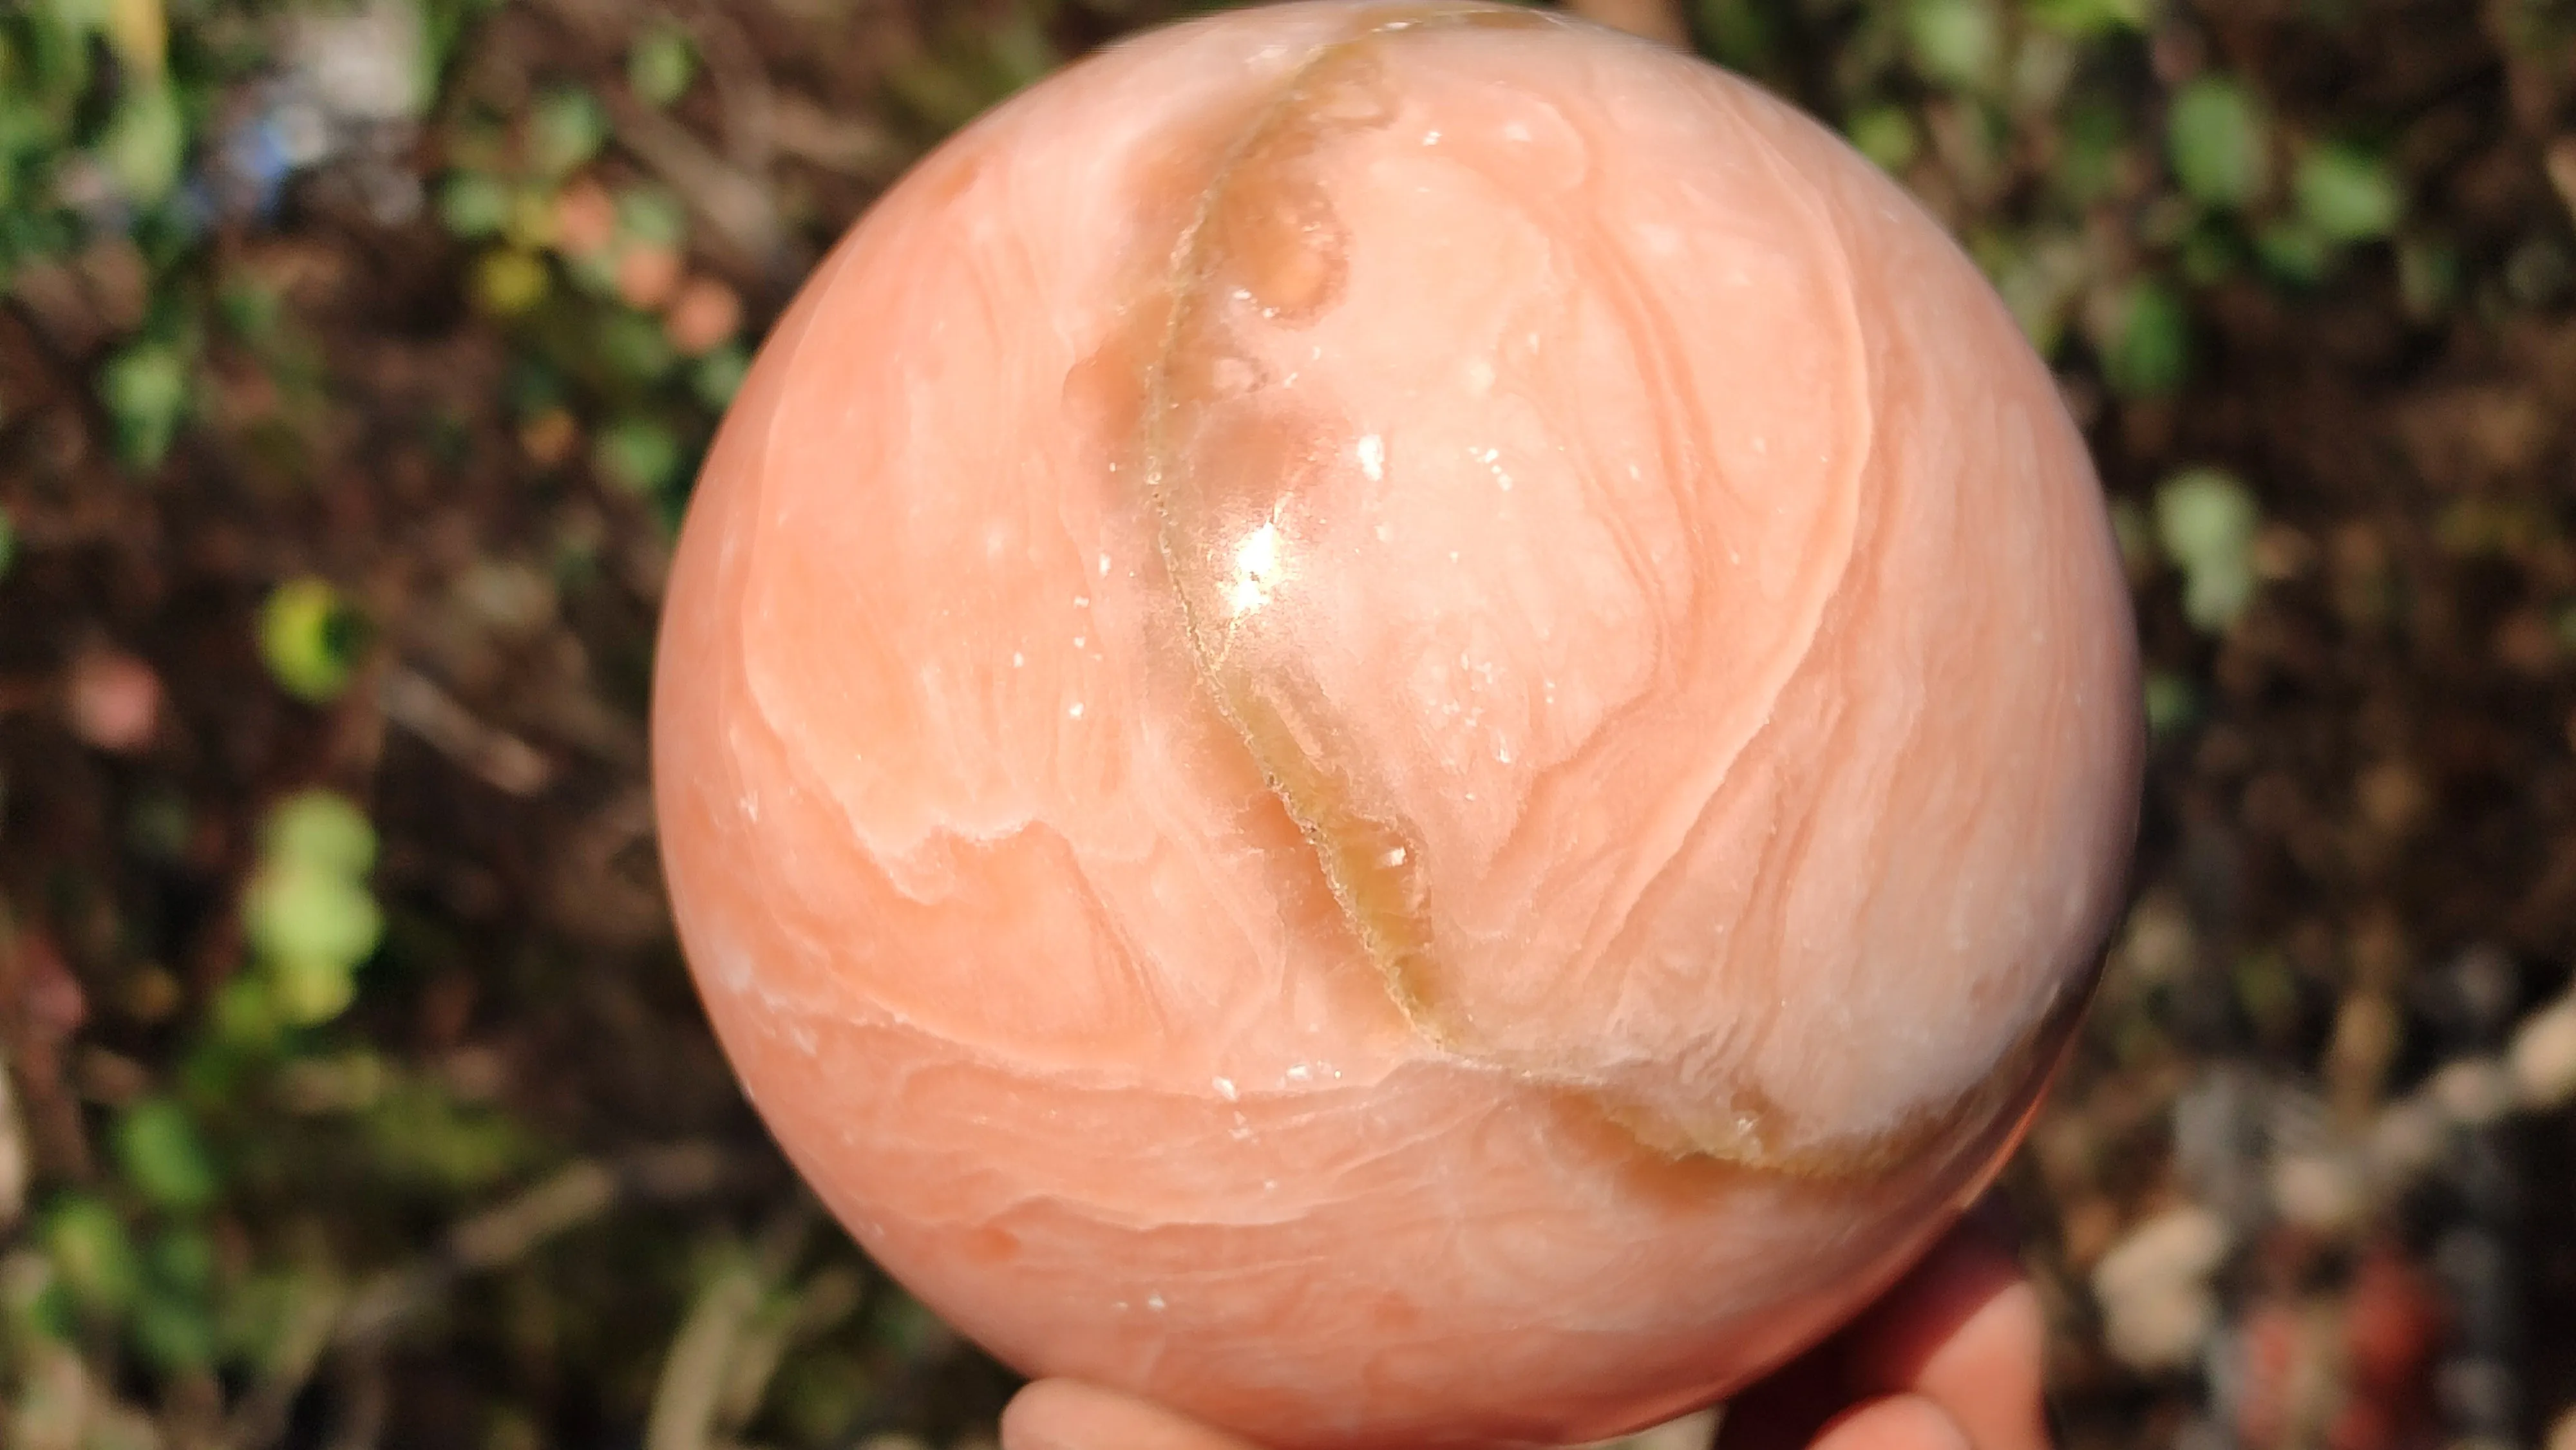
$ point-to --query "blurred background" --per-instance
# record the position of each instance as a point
(354, 362)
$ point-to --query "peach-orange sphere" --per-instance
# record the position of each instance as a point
(1404, 723)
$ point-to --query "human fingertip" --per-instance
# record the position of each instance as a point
(1897, 1422)
(1028, 1422)
(1070, 1415)
(1965, 1330)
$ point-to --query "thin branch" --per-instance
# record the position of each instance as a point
(356, 1326)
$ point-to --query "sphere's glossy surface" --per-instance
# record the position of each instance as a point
(1405, 723)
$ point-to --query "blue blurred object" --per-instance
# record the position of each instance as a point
(346, 100)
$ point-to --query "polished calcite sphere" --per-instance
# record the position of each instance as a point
(1406, 724)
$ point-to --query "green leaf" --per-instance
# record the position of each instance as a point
(2150, 350)
(2295, 252)
(145, 142)
(2092, 140)
(2086, 19)
(245, 1015)
(252, 310)
(262, 1318)
(2218, 142)
(660, 65)
(820, 1394)
(8, 541)
(474, 205)
(92, 1253)
(2206, 520)
(566, 130)
(34, 1302)
(321, 829)
(298, 913)
(936, 91)
(528, 222)
(2347, 194)
(1738, 33)
(594, 272)
(902, 1324)
(714, 378)
(59, 52)
(311, 990)
(145, 392)
(1955, 43)
(417, 1133)
(182, 1259)
(174, 1332)
(174, 1324)
(2172, 704)
(29, 133)
(1885, 134)
(653, 217)
(312, 926)
(636, 346)
(308, 637)
(638, 454)
(1018, 51)
(158, 1150)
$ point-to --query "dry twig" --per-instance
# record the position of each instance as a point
(353, 1328)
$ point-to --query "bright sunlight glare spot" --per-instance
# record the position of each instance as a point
(1256, 570)
(1372, 451)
